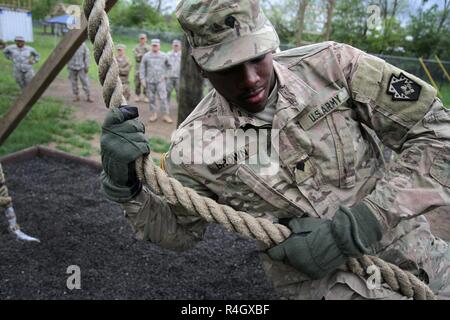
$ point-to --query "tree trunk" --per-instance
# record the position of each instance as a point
(330, 8)
(158, 7)
(301, 21)
(191, 84)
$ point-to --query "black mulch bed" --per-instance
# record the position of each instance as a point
(60, 202)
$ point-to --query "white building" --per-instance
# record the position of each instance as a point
(15, 22)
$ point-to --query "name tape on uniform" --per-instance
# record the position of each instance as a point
(234, 158)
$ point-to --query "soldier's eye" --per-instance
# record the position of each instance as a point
(258, 59)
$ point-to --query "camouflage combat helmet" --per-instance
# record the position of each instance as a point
(223, 33)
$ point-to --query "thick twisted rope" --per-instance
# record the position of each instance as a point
(5, 199)
(175, 194)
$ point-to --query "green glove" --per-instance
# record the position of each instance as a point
(317, 247)
(122, 142)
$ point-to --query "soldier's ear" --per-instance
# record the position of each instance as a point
(199, 68)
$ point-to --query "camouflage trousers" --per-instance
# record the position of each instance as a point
(157, 89)
(23, 78)
(74, 75)
(172, 84)
(419, 252)
(138, 84)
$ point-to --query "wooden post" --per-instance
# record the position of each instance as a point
(44, 77)
(300, 21)
(330, 8)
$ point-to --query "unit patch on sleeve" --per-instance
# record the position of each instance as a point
(403, 88)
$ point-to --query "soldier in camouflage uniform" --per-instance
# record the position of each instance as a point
(154, 67)
(23, 58)
(78, 69)
(321, 105)
(124, 70)
(173, 76)
(6, 206)
(139, 51)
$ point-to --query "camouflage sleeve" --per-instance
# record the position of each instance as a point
(142, 69)
(408, 117)
(8, 53)
(36, 55)
(127, 66)
(86, 57)
(137, 55)
(168, 64)
(154, 220)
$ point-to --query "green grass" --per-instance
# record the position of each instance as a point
(444, 90)
(159, 145)
(48, 121)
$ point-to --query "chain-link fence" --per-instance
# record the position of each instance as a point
(409, 64)
(413, 66)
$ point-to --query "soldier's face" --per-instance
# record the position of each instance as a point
(20, 44)
(142, 40)
(120, 52)
(155, 48)
(176, 47)
(246, 85)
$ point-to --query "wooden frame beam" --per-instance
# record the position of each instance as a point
(45, 76)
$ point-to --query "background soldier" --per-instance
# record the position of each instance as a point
(139, 51)
(331, 187)
(78, 68)
(23, 58)
(124, 70)
(7, 206)
(153, 72)
(173, 76)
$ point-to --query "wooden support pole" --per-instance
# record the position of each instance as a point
(428, 73)
(44, 77)
(442, 67)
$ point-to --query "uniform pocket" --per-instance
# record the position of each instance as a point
(245, 190)
(440, 169)
(345, 149)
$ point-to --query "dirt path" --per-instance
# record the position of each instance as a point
(61, 89)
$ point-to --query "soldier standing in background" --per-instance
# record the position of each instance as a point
(7, 207)
(173, 76)
(23, 58)
(139, 51)
(78, 68)
(124, 70)
(154, 67)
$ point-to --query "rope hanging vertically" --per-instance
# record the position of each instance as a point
(257, 228)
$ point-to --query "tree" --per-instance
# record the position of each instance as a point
(429, 30)
(41, 9)
(303, 4)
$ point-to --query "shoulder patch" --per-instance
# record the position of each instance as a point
(403, 88)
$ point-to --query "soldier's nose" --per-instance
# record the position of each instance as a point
(250, 77)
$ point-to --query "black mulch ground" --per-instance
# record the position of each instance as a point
(60, 202)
